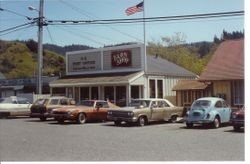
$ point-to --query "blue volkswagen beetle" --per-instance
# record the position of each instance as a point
(208, 110)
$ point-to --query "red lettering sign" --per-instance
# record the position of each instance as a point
(121, 58)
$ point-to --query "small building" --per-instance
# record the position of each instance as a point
(119, 74)
(225, 71)
(189, 90)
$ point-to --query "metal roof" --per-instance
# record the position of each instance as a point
(227, 62)
(158, 65)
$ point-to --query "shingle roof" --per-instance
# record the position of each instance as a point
(158, 65)
(189, 85)
(227, 62)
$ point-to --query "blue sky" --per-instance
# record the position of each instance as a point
(99, 35)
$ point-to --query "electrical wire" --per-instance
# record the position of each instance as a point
(16, 13)
(18, 26)
(31, 25)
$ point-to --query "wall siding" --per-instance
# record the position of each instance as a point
(222, 87)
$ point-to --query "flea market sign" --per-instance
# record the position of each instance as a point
(121, 58)
(84, 64)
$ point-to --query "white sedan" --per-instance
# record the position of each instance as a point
(14, 106)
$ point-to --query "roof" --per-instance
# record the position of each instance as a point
(96, 79)
(189, 85)
(227, 62)
(158, 65)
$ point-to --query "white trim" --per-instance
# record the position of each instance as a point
(105, 49)
(88, 84)
(136, 77)
(105, 71)
(67, 66)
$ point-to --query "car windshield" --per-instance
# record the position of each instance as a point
(87, 103)
(201, 104)
(140, 103)
(6, 101)
(40, 101)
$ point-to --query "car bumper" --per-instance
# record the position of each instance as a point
(129, 119)
(199, 121)
(40, 115)
(62, 116)
(237, 123)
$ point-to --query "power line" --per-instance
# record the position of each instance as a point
(16, 27)
(91, 16)
(149, 19)
(16, 13)
(31, 25)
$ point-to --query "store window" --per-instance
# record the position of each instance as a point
(152, 88)
(135, 92)
(94, 93)
(109, 93)
(84, 93)
(160, 88)
(121, 95)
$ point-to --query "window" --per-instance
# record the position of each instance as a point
(160, 88)
(64, 102)
(218, 104)
(238, 92)
(54, 101)
(163, 104)
(152, 88)
(23, 101)
(102, 104)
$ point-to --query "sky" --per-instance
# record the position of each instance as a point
(100, 35)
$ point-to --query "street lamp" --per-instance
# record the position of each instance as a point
(40, 46)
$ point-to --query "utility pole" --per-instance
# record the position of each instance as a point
(40, 49)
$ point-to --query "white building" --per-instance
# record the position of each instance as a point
(119, 74)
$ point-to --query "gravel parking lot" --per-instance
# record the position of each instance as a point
(28, 139)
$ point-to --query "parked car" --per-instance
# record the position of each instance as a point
(208, 110)
(14, 106)
(142, 111)
(86, 110)
(237, 119)
(42, 108)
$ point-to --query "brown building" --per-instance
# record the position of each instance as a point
(222, 77)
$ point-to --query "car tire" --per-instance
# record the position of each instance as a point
(42, 118)
(216, 122)
(117, 123)
(189, 125)
(81, 118)
(60, 120)
(236, 128)
(141, 121)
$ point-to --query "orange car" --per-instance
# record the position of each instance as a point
(86, 110)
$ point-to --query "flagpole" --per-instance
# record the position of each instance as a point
(144, 38)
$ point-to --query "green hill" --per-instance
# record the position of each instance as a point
(18, 61)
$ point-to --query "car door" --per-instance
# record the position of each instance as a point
(219, 108)
(226, 111)
(101, 110)
(157, 110)
(22, 106)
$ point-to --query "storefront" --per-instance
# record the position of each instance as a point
(118, 74)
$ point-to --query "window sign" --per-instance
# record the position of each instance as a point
(121, 58)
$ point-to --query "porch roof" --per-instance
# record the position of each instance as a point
(189, 85)
(96, 79)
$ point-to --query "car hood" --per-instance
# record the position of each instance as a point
(239, 112)
(127, 109)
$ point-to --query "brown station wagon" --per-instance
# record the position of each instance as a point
(86, 110)
(42, 108)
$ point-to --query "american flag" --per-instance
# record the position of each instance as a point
(134, 9)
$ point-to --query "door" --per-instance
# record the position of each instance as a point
(157, 111)
(220, 109)
(100, 110)
(226, 111)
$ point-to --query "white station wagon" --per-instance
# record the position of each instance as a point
(14, 106)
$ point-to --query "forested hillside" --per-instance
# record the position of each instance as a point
(18, 61)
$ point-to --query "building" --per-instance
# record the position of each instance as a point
(225, 71)
(189, 90)
(118, 74)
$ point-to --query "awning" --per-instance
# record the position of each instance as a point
(97, 79)
(15, 87)
(189, 85)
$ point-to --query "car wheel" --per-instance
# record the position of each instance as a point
(236, 128)
(141, 121)
(60, 120)
(81, 118)
(117, 123)
(189, 125)
(216, 122)
(42, 118)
